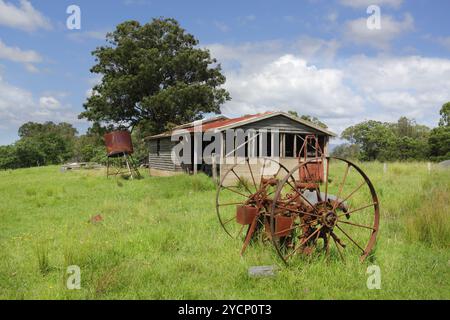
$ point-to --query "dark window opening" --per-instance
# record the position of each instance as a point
(158, 147)
(289, 151)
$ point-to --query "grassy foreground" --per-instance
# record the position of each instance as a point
(160, 239)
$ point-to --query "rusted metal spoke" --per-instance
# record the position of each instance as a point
(237, 192)
(341, 187)
(303, 242)
(251, 173)
(351, 194)
(242, 182)
(229, 204)
(338, 249)
(297, 211)
(228, 221)
(271, 193)
(357, 225)
(290, 229)
(240, 231)
(327, 246)
(307, 201)
(350, 238)
(356, 210)
(292, 199)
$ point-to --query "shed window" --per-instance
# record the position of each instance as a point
(158, 147)
(289, 147)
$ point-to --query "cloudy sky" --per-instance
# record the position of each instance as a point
(317, 57)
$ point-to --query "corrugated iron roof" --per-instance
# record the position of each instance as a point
(221, 123)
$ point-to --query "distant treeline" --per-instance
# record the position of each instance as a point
(51, 144)
(400, 141)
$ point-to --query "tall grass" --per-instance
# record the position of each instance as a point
(160, 239)
(429, 222)
(43, 259)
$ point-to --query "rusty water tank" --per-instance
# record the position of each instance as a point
(118, 143)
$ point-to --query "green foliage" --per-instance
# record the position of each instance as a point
(404, 140)
(40, 145)
(429, 223)
(439, 140)
(8, 157)
(347, 151)
(150, 247)
(445, 115)
(43, 259)
(439, 143)
(154, 73)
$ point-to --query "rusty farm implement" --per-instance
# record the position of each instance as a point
(323, 205)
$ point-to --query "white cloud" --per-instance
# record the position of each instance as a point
(443, 41)
(14, 103)
(290, 83)
(273, 76)
(15, 54)
(252, 55)
(18, 105)
(366, 3)
(356, 31)
(25, 17)
(413, 86)
(49, 103)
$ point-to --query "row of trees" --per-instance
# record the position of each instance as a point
(403, 140)
(43, 144)
(155, 76)
(46, 144)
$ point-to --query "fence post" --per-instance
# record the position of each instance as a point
(214, 167)
(385, 167)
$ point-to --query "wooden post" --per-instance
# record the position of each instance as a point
(214, 168)
(429, 167)
(385, 168)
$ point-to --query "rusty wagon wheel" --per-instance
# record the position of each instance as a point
(343, 209)
(244, 197)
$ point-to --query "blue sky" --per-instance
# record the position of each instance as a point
(316, 57)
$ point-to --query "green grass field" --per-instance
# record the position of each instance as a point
(160, 239)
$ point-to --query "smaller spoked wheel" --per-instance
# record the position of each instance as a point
(244, 197)
(335, 215)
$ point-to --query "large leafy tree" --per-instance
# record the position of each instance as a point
(155, 76)
(371, 136)
(439, 141)
(382, 141)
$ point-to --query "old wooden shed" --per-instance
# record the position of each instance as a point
(291, 132)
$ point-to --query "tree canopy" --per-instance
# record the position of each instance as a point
(154, 75)
(313, 120)
(439, 140)
(39, 145)
(384, 141)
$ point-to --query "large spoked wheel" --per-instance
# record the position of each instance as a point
(244, 197)
(338, 216)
